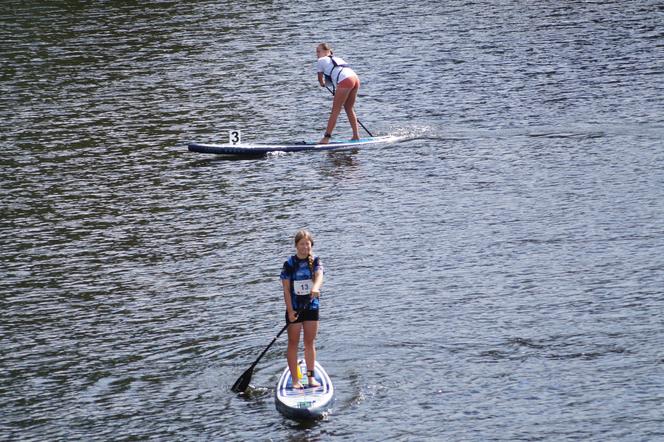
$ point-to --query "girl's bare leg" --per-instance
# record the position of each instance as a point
(291, 353)
(340, 98)
(349, 106)
(310, 332)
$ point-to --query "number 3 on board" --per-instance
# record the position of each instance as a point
(234, 137)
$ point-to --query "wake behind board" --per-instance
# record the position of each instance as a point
(309, 402)
(244, 149)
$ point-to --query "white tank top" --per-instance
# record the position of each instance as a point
(338, 74)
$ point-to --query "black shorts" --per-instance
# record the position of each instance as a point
(305, 315)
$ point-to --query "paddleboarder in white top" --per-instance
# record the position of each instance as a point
(346, 84)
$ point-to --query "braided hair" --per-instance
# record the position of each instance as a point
(311, 266)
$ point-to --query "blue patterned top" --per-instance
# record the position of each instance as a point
(298, 272)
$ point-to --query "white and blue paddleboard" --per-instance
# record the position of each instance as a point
(306, 403)
(243, 149)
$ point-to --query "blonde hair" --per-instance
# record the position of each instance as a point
(305, 234)
(325, 47)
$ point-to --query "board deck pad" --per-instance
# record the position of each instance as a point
(306, 403)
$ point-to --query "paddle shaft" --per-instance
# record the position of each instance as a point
(268, 347)
(277, 337)
(358, 120)
(243, 381)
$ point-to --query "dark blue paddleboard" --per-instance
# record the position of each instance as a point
(243, 149)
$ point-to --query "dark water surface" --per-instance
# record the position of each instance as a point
(498, 276)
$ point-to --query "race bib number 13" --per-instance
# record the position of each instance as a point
(302, 288)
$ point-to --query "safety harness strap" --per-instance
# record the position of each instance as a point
(336, 65)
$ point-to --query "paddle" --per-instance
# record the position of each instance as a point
(243, 381)
(358, 120)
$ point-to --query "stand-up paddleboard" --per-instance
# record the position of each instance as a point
(306, 403)
(244, 149)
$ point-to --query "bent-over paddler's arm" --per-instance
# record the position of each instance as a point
(321, 79)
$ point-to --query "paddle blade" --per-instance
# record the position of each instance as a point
(242, 382)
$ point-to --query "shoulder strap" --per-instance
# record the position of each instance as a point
(340, 65)
(335, 65)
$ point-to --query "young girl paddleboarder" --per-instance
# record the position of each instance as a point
(302, 277)
(345, 83)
